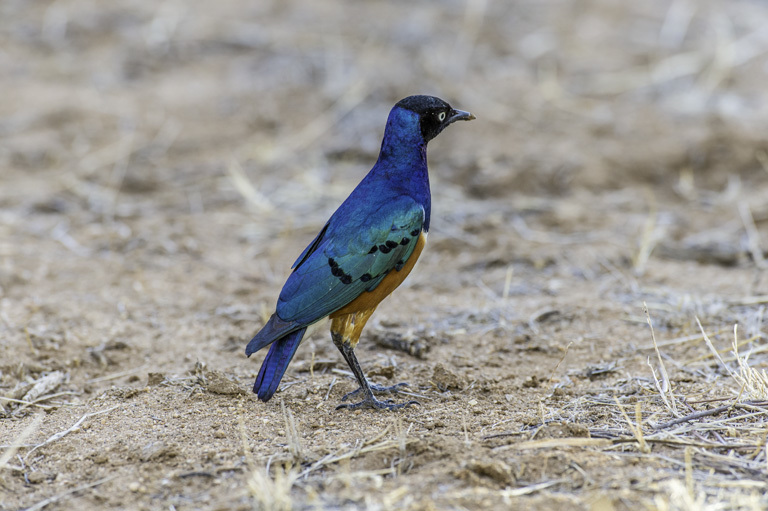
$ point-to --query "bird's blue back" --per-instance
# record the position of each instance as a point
(390, 203)
(401, 170)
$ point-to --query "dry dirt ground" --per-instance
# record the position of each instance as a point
(163, 163)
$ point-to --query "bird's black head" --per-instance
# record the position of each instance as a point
(434, 114)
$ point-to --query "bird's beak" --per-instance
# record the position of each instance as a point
(460, 115)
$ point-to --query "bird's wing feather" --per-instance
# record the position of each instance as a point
(311, 247)
(343, 263)
(269, 333)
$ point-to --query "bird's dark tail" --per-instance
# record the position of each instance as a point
(285, 337)
(274, 365)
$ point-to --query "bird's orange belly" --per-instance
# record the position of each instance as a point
(368, 300)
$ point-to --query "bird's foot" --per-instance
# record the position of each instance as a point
(370, 401)
(376, 389)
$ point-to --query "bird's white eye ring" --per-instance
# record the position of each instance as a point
(441, 116)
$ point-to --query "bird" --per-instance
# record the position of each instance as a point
(365, 250)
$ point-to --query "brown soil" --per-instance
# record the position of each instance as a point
(162, 165)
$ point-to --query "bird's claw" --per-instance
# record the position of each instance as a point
(377, 389)
(372, 402)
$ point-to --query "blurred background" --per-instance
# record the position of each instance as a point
(162, 163)
(143, 96)
(120, 111)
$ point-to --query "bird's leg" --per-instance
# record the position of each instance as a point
(345, 331)
(369, 401)
(338, 340)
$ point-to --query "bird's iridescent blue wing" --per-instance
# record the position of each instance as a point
(351, 257)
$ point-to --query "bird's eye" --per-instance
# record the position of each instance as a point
(441, 116)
